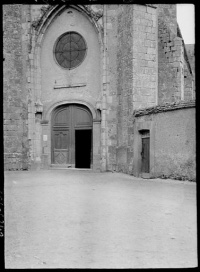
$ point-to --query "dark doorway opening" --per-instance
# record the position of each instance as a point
(83, 140)
(145, 155)
(145, 150)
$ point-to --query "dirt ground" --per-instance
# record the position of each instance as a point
(83, 219)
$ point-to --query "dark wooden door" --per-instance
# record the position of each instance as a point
(145, 154)
(66, 120)
(61, 136)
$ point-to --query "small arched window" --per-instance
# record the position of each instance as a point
(70, 50)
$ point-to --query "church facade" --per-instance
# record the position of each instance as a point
(102, 87)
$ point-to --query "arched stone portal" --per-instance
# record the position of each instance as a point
(71, 136)
(78, 120)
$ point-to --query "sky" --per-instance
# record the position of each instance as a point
(186, 22)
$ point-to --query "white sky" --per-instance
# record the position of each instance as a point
(186, 21)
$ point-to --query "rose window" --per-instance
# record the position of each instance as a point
(70, 50)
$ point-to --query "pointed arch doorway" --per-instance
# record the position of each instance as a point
(71, 137)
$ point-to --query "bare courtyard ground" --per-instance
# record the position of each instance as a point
(83, 219)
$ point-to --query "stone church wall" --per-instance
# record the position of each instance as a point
(124, 88)
(145, 57)
(170, 56)
(109, 99)
(15, 107)
(175, 81)
(188, 83)
(132, 54)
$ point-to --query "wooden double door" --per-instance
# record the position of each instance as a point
(72, 136)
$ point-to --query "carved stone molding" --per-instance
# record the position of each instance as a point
(96, 15)
(38, 107)
(98, 105)
(44, 9)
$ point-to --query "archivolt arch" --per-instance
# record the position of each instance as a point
(48, 113)
(52, 12)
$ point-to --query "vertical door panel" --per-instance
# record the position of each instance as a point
(62, 117)
(61, 147)
(82, 117)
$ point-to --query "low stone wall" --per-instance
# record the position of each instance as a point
(172, 140)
